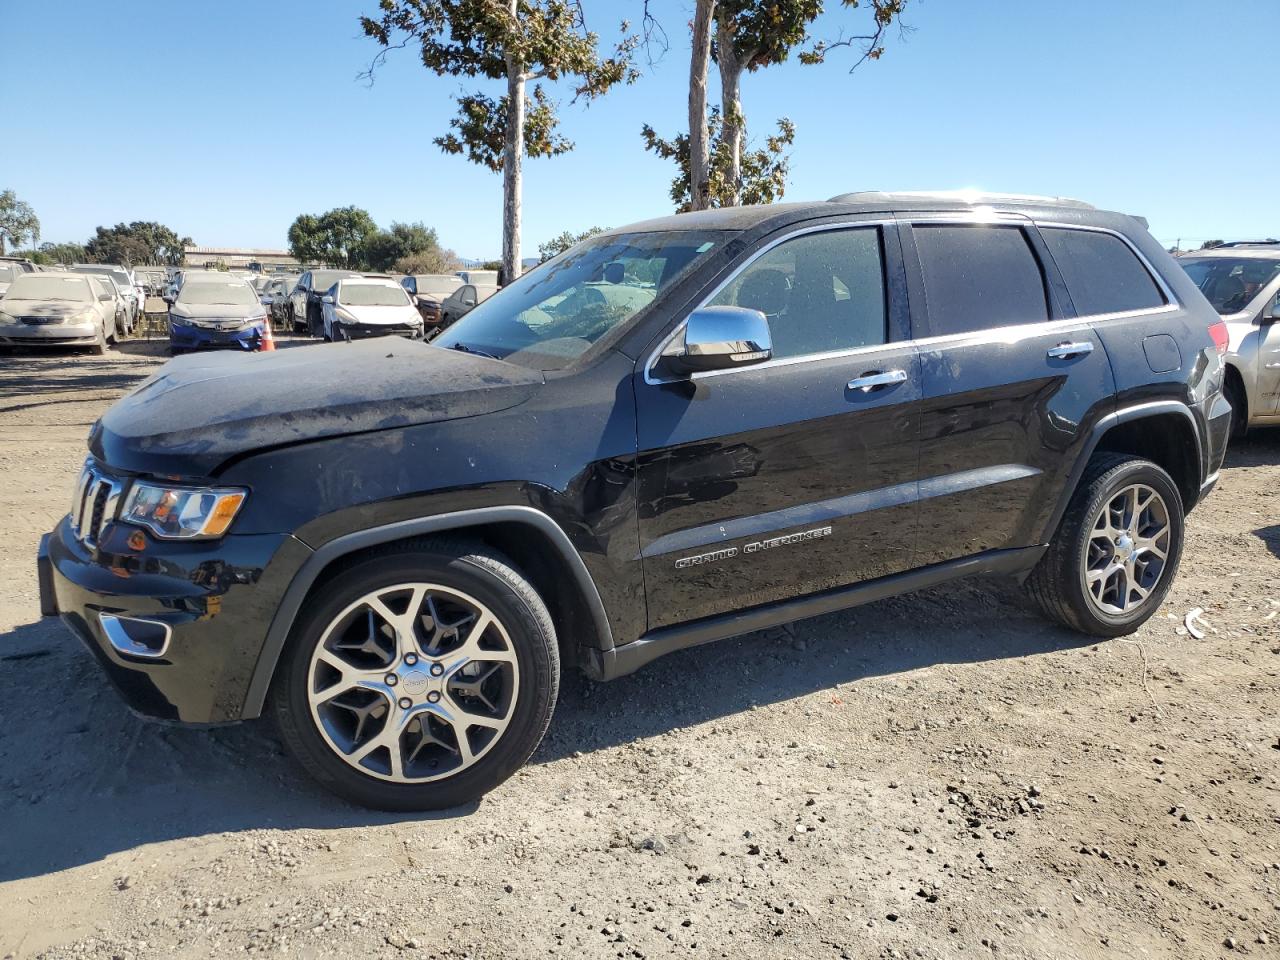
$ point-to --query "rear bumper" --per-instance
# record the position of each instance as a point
(177, 627)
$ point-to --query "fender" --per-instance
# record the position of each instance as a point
(287, 612)
(1123, 415)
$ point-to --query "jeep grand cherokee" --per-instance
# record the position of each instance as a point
(674, 432)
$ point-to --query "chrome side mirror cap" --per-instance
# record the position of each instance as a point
(723, 338)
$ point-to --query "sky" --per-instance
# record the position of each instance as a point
(226, 121)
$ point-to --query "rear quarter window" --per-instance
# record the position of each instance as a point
(977, 277)
(1102, 273)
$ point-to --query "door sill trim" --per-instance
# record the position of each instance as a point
(625, 659)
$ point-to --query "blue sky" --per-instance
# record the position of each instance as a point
(226, 121)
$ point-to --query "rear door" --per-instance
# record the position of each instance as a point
(796, 475)
(1012, 384)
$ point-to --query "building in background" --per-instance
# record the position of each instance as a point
(238, 258)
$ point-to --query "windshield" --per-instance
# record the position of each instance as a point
(324, 279)
(553, 314)
(31, 286)
(1230, 283)
(236, 293)
(437, 286)
(372, 295)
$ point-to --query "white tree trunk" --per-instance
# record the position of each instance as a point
(699, 148)
(730, 105)
(512, 165)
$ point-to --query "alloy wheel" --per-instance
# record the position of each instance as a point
(413, 682)
(1128, 550)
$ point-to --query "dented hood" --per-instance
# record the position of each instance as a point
(201, 410)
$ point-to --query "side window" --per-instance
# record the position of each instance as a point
(304, 282)
(978, 276)
(1102, 273)
(821, 292)
(410, 284)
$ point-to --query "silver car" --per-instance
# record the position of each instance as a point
(1242, 281)
(58, 308)
(124, 280)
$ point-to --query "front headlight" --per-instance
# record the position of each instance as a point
(344, 315)
(182, 513)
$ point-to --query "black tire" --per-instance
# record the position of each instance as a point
(1234, 389)
(1057, 583)
(458, 564)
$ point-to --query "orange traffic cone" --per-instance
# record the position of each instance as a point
(268, 341)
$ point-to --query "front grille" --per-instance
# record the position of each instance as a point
(96, 502)
(40, 321)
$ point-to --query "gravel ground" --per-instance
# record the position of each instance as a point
(940, 775)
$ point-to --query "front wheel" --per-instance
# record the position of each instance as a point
(420, 679)
(1114, 557)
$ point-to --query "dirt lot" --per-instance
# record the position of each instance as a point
(942, 775)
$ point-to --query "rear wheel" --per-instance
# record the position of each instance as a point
(421, 679)
(1115, 554)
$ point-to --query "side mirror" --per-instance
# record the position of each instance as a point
(328, 300)
(1273, 315)
(722, 338)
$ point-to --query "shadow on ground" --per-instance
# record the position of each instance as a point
(83, 778)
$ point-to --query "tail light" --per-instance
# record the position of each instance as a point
(1218, 331)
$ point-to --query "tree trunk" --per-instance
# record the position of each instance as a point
(699, 149)
(730, 104)
(512, 165)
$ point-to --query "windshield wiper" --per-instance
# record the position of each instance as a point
(465, 349)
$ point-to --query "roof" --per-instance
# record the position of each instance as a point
(1257, 252)
(370, 281)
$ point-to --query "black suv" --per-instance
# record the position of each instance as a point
(675, 432)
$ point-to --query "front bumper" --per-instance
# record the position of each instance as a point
(184, 337)
(177, 627)
(362, 331)
(49, 334)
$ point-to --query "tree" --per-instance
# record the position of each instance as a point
(336, 238)
(762, 173)
(753, 34)
(62, 253)
(384, 248)
(1210, 244)
(435, 260)
(518, 42)
(136, 243)
(558, 245)
(699, 148)
(18, 221)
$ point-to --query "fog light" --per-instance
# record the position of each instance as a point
(134, 637)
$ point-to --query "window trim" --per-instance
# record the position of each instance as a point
(1171, 301)
(879, 224)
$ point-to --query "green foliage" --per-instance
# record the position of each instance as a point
(558, 245)
(336, 238)
(61, 253)
(490, 265)
(18, 222)
(763, 170)
(883, 15)
(136, 243)
(1210, 244)
(435, 260)
(383, 249)
(484, 141)
(764, 33)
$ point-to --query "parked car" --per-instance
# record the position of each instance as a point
(49, 308)
(124, 281)
(679, 431)
(1242, 282)
(8, 273)
(428, 290)
(212, 310)
(122, 303)
(304, 300)
(275, 297)
(462, 301)
(481, 278)
(359, 307)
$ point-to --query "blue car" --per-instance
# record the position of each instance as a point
(213, 310)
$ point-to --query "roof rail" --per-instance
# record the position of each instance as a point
(960, 196)
(1269, 242)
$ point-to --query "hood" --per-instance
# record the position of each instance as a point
(200, 410)
(373, 315)
(44, 308)
(218, 311)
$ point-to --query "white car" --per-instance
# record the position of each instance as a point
(357, 307)
(59, 308)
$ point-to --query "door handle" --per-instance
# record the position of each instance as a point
(1064, 350)
(874, 381)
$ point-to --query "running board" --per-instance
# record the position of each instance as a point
(620, 661)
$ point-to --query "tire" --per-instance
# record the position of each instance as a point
(1116, 604)
(1234, 390)
(100, 348)
(458, 579)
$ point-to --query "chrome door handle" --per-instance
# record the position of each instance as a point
(872, 381)
(1064, 350)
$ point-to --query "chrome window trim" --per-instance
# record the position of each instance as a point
(1171, 301)
(1018, 330)
(656, 353)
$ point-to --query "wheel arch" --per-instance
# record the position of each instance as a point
(1233, 377)
(1163, 431)
(532, 540)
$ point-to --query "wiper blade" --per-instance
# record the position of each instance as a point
(462, 347)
